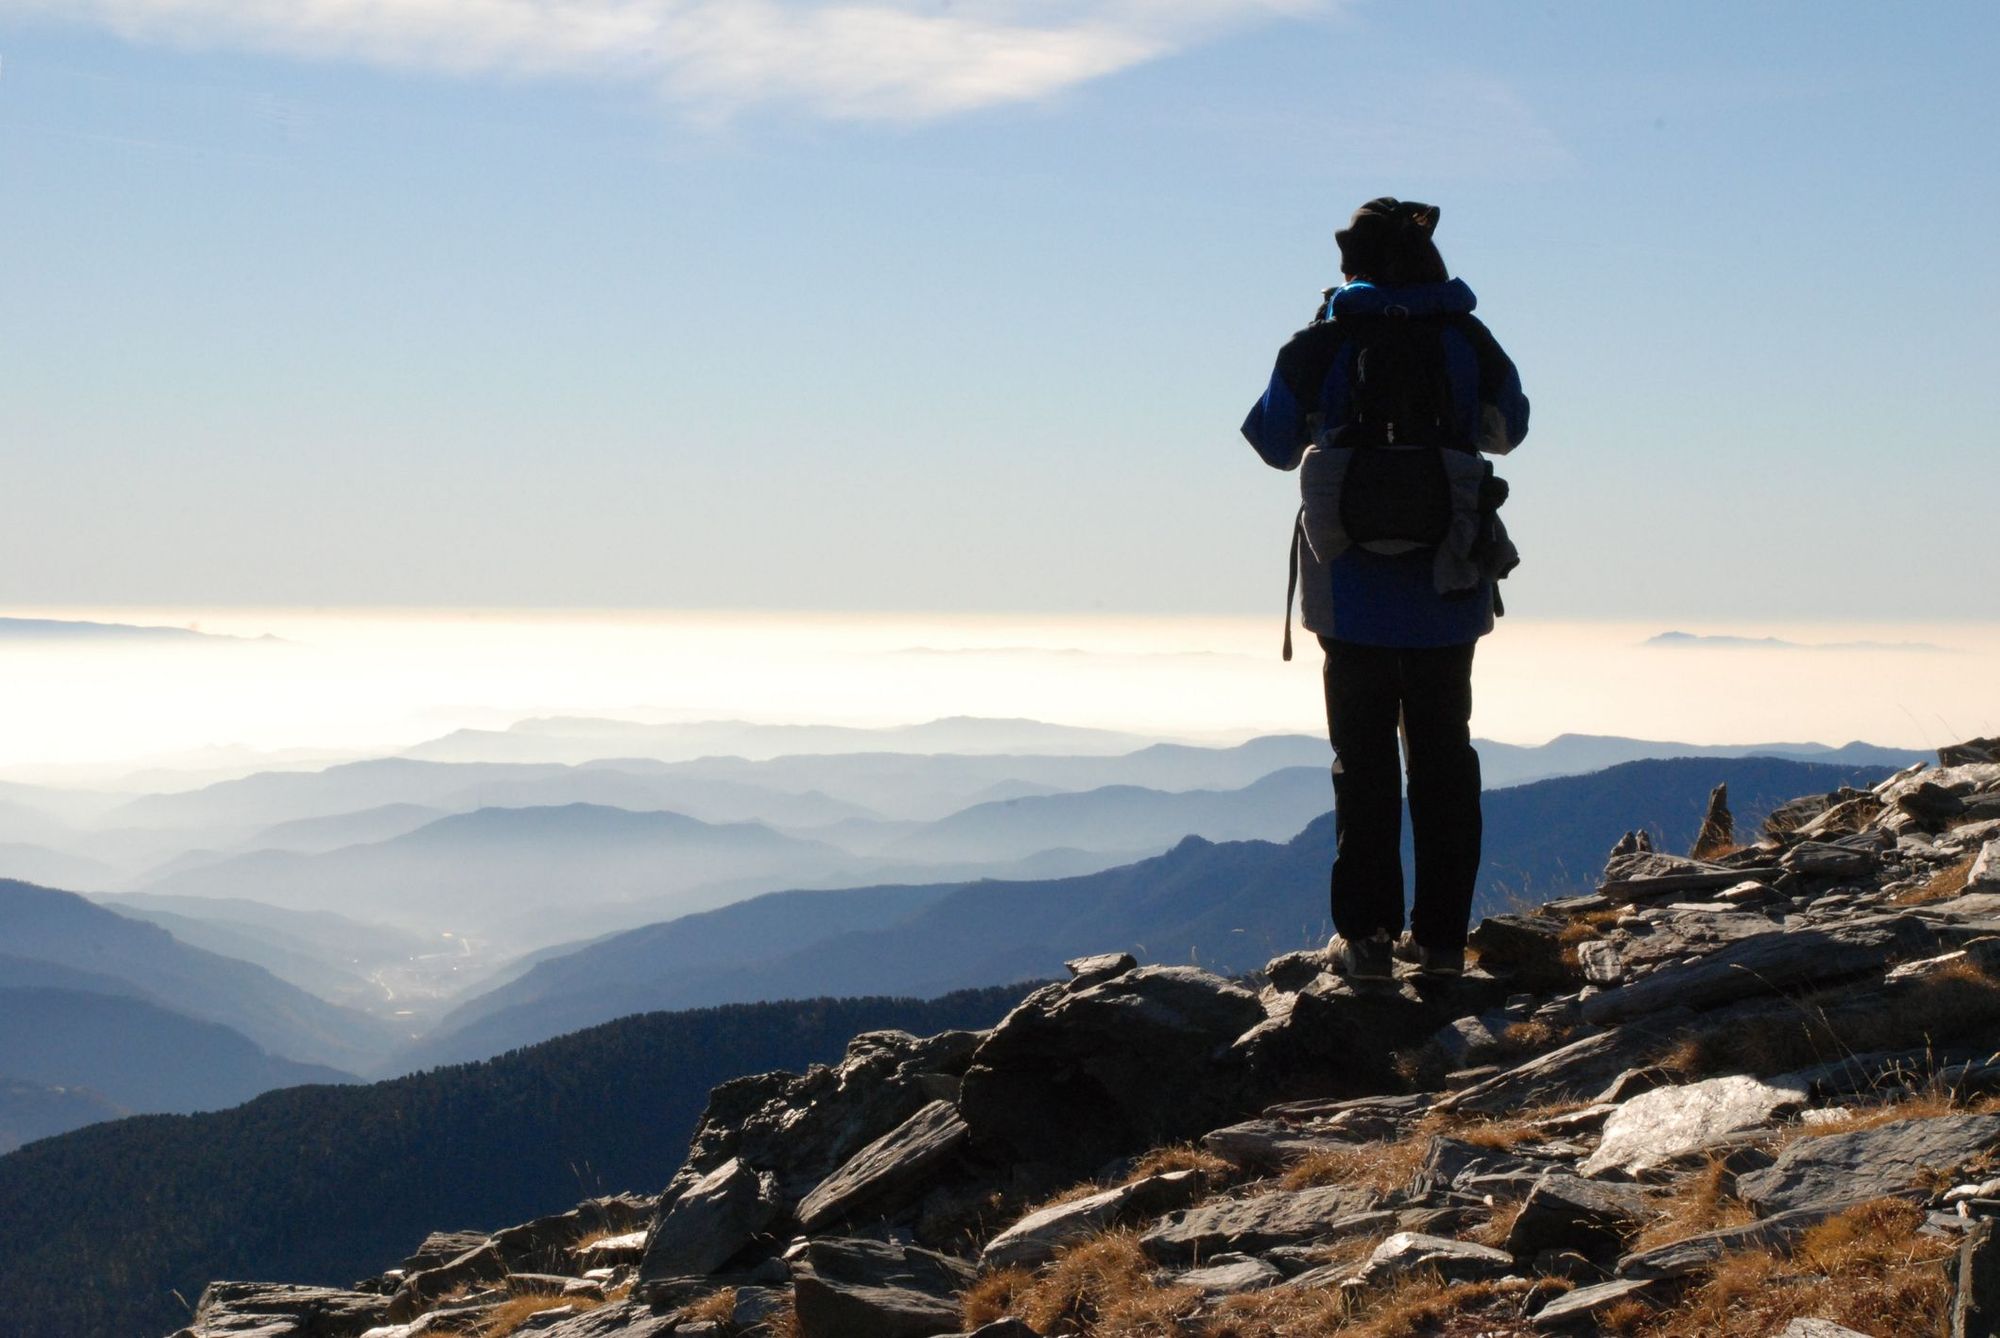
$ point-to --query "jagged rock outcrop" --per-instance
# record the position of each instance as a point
(1699, 1059)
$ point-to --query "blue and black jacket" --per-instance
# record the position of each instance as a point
(1369, 598)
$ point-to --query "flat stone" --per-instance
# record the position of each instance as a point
(1565, 1212)
(885, 1173)
(1452, 1260)
(1086, 971)
(1838, 1170)
(441, 1247)
(316, 1311)
(1036, 1238)
(871, 1289)
(1580, 1306)
(1818, 1328)
(1230, 1273)
(1823, 859)
(1691, 1253)
(708, 1222)
(1657, 1126)
(1273, 1141)
(1770, 963)
(1651, 875)
(628, 1319)
(1602, 963)
(1577, 1070)
(1280, 1217)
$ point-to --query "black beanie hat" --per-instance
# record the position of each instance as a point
(1389, 242)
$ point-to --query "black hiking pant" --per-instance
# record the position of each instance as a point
(1370, 692)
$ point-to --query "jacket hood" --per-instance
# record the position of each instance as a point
(1451, 298)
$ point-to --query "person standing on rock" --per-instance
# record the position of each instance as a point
(1388, 404)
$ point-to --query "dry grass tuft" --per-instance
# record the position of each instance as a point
(1102, 1286)
(1699, 1202)
(1592, 924)
(783, 1322)
(714, 1308)
(1414, 1306)
(1867, 1268)
(995, 1296)
(1524, 1040)
(508, 1316)
(1943, 884)
(1181, 1157)
(1378, 1167)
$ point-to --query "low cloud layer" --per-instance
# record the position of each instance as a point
(883, 60)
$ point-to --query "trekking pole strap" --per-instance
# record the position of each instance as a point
(1292, 580)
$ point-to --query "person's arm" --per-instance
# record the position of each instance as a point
(1279, 424)
(1503, 408)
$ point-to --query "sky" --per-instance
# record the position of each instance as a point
(956, 305)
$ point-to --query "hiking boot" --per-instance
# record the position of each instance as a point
(1441, 963)
(1361, 958)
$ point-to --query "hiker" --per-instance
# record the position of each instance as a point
(1390, 400)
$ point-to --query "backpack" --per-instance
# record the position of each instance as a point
(1381, 474)
(1398, 475)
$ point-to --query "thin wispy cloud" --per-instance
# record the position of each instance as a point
(883, 60)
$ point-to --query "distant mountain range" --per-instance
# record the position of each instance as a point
(101, 1228)
(58, 940)
(1229, 906)
(136, 1055)
(345, 961)
(31, 630)
(584, 738)
(522, 873)
(1693, 639)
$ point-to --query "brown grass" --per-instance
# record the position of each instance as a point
(1384, 1167)
(1101, 1286)
(1943, 884)
(1181, 1157)
(1867, 1268)
(1959, 1000)
(715, 1308)
(1699, 1202)
(1523, 1040)
(1378, 1167)
(508, 1316)
(1592, 924)
(783, 1322)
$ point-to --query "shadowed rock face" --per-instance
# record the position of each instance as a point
(869, 1195)
(1132, 1061)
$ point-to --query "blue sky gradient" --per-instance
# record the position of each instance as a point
(310, 320)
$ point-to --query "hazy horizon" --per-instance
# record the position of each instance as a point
(367, 682)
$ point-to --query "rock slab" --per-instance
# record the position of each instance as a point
(872, 1289)
(710, 1221)
(1839, 1170)
(1654, 1127)
(889, 1169)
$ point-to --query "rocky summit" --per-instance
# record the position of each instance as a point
(1755, 1092)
